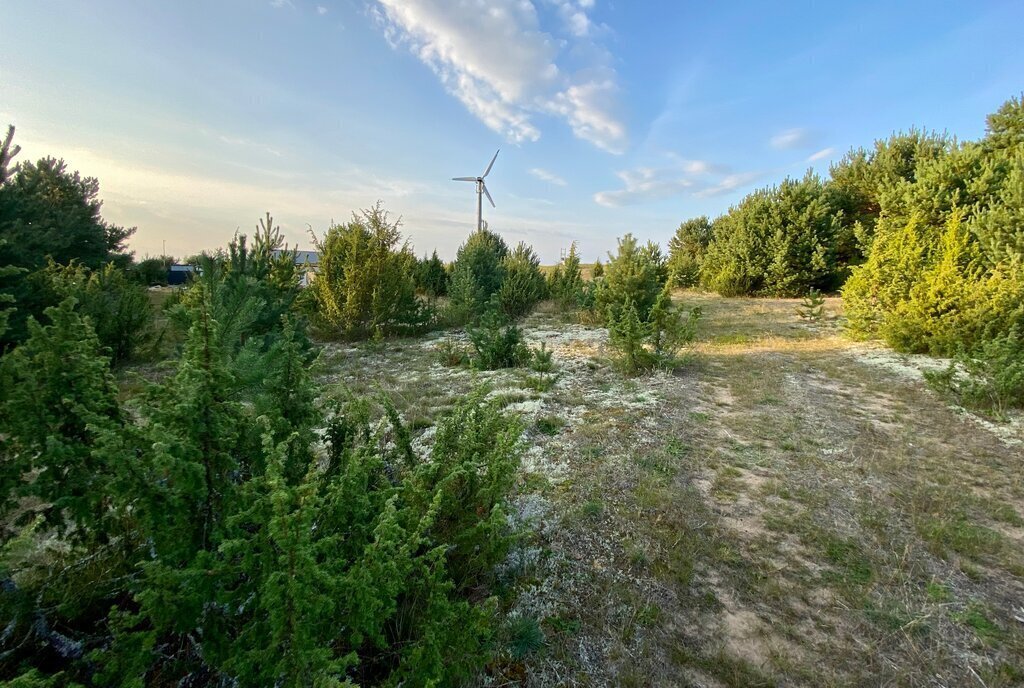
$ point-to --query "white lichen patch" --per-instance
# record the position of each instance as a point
(908, 366)
(542, 460)
(1010, 432)
(530, 407)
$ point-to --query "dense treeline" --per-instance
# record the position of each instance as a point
(945, 270)
(802, 234)
(923, 234)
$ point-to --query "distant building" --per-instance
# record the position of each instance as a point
(179, 274)
(307, 262)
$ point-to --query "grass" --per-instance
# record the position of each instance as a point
(783, 511)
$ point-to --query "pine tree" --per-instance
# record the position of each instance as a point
(431, 276)
(59, 397)
(686, 251)
(366, 278)
(627, 334)
(632, 274)
(477, 274)
(572, 277)
(196, 413)
(288, 400)
(524, 284)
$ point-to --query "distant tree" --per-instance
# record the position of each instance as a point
(7, 152)
(858, 182)
(779, 241)
(117, 306)
(597, 270)
(523, 285)
(476, 275)
(686, 251)
(365, 283)
(152, 271)
(49, 213)
(565, 282)
(1006, 126)
(431, 276)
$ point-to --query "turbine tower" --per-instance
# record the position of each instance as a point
(481, 189)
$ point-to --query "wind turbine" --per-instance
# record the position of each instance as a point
(481, 189)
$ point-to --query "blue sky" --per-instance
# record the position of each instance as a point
(199, 116)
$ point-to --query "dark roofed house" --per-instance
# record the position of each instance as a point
(307, 262)
(179, 273)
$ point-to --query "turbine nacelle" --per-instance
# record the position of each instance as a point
(481, 190)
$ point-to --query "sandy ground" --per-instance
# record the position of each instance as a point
(788, 507)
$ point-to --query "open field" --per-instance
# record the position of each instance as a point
(788, 508)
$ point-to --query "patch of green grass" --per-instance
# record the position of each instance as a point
(420, 423)
(849, 559)
(976, 618)
(507, 398)
(592, 509)
(893, 617)
(638, 558)
(726, 484)
(525, 637)
(549, 425)
(734, 672)
(955, 532)
(938, 592)
(1002, 512)
(648, 615)
(733, 338)
(563, 625)
(676, 448)
(677, 566)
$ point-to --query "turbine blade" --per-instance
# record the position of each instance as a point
(463, 179)
(488, 196)
(488, 170)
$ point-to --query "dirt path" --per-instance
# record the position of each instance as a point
(789, 508)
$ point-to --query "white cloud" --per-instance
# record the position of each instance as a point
(588, 107)
(546, 176)
(823, 153)
(791, 138)
(321, 10)
(498, 61)
(700, 178)
(643, 184)
(282, 3)
(728, 183)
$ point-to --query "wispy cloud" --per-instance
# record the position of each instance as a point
(820, 155)
(699, 178)
(282, 3)
(643, 184)
(505, 68)
(730, 182)
(791, 138)
(321, 10)
(546, 176)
